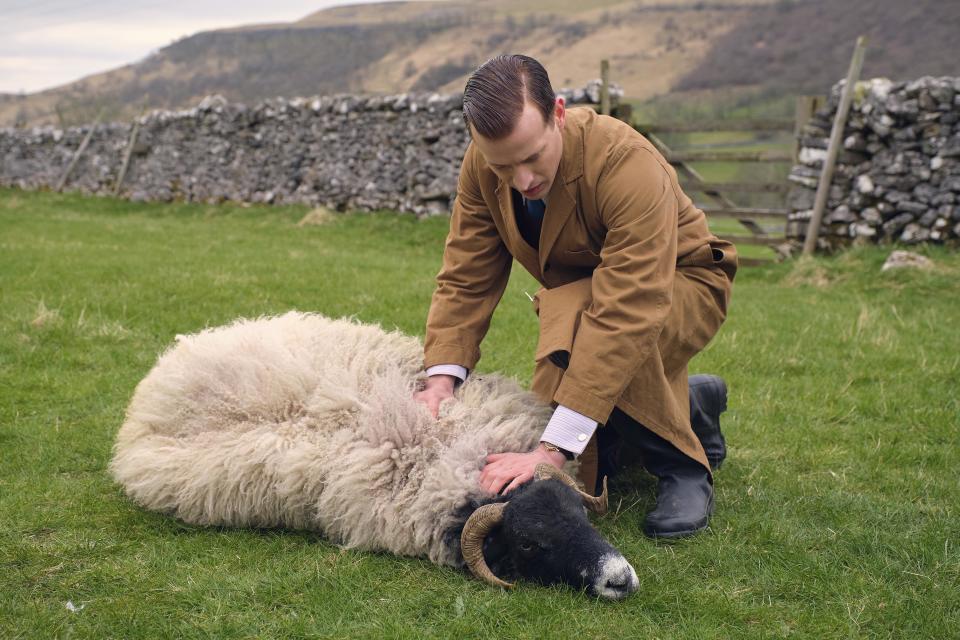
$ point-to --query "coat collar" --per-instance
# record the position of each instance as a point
(571, 161)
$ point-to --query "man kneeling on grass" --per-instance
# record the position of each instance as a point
(634, 286)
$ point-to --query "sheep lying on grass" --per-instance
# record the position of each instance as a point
(304, 422)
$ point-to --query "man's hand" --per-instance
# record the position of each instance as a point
(505, 471)
(437, 389)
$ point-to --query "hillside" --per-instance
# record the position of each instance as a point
(806, 46)
(684, 50)
(394, 47)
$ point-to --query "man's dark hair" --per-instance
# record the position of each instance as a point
(494, 96)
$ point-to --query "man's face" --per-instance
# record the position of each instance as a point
(529, 157)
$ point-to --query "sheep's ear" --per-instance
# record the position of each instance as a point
(497, 554)
(495, 545)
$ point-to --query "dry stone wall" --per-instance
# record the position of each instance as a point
(898, 175)
(399, 152)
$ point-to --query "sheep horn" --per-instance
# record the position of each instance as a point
(477, 527)
(597, 504)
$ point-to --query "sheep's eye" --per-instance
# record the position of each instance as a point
(526, 546)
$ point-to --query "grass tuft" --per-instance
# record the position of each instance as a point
(44, 317)
(317, 216)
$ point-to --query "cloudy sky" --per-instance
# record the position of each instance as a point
(46, 43)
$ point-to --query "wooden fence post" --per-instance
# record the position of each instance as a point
(76, 156)
(836, 139)
(60, 119)
(806, 106)
(126, 156)
(605, 87)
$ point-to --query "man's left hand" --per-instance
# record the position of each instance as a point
(506, 471)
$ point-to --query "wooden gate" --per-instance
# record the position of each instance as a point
(760, 226)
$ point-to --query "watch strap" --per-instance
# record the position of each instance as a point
(549, 446)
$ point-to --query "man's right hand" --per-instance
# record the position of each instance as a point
(437, 389)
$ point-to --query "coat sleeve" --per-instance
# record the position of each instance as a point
(476, 267)
(632, 288)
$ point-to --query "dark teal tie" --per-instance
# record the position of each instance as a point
(535, 209)
(533, 221)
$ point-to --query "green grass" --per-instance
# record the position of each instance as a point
(836, 510)
(714, 104)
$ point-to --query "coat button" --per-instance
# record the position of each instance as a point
(582, 437)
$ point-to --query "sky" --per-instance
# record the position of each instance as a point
(47, 43)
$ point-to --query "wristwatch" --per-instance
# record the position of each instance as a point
(549, 446)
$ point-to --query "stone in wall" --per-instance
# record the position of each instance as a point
(897, 178)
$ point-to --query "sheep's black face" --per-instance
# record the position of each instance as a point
(546, 537)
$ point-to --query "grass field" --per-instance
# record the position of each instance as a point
(836, 510)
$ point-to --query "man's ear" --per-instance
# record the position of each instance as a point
(560, 111)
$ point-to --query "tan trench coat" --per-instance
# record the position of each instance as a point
(634, 282)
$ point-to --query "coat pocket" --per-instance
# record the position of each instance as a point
(559, 310)
(586, 258)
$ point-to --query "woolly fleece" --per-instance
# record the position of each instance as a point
(305, 422)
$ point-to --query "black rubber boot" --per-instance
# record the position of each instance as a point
(684, 487)
(708, 399)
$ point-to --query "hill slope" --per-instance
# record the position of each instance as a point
(396, 47)
(806, 46)
(656, 47)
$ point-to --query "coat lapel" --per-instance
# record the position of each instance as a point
(562, 200)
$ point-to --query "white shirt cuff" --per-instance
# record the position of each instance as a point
(454, 370)
(569, 430)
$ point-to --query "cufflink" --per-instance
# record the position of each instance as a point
(582, 437)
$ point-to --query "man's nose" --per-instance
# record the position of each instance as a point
(524, 179)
